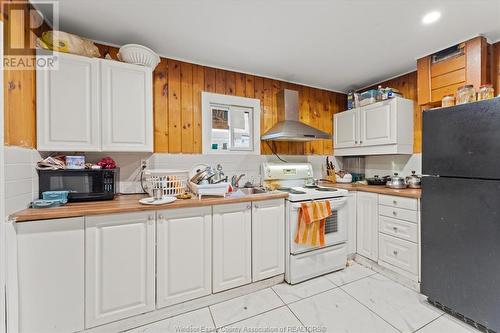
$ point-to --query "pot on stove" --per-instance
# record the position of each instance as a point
(396, 181)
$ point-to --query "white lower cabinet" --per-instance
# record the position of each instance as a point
(399, 253)
(119, 266)
(268, 239)
(367, 225)
(50, 272)
(184, 255)
(232, 246)
(352, 223)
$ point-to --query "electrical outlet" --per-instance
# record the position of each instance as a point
(144, 164)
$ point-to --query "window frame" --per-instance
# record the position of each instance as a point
(208, 100)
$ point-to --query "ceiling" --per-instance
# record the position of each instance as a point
(331, 44)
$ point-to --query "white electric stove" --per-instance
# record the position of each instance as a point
(306, 262)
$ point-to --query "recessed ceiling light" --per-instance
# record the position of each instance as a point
(431, 17)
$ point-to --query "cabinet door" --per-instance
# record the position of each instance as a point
(268, 239)
(346, 129)
(232, 236)
(184, 255)
(119, 266)
(367, 225)
(127, 112)
(351, 228)
(68, 111)
(378, 124)
(50, 259)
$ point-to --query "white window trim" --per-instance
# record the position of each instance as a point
(210, 98)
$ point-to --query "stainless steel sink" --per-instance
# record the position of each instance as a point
(251, 190)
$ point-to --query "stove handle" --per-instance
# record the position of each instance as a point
(336, 203)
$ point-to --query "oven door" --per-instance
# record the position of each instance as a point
(335, 227)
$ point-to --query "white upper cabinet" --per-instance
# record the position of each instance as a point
(184, 255)
(268, 239)
(119, 266)
(68, 111)
(127, 118)
(232, 245)
(345, 130)
(91, 104)
(381, 128)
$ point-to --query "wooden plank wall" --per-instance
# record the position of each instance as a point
(407, 85)
(495, 64)
(19, 89)
(177, 105)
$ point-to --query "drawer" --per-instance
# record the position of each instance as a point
(398, 202)
(398, 213)
(398, 228)
(399, 253)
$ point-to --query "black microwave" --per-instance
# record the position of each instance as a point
(82, 184)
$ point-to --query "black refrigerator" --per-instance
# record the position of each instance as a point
(460, 211)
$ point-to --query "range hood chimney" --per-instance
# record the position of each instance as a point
(292, 129)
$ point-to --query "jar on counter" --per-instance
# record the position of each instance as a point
(486, 91)
(448, 100)
(466, 94)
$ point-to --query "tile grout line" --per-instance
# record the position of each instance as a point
(433, 320)
(212, 316)
(255, 315)
(376, 314)
(293, 313)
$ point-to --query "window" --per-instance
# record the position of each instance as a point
(231, 124)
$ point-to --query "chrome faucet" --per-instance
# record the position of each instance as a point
(235, 180)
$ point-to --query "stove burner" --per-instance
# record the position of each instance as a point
(290, 190)
(326, 189)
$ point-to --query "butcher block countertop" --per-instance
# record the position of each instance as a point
(130, 203)
(407, 192)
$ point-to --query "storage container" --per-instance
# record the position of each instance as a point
(61, 196)
(368, 97)
(466, 94)
(486, 91)
(448, 100)
(170, 182)
(75, 162)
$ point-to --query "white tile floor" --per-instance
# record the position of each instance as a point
(355, 300)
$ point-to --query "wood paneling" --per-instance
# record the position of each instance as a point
(495, 66)
(407, 85)
(177, 105)
(19, 85)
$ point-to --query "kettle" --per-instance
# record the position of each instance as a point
(396, 181)
(414, 181)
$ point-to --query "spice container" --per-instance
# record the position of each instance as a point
(448, 100)
(486, 91)
(466, 94)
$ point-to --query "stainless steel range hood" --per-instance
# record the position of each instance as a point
(292, 129)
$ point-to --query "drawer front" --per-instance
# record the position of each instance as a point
(398, 228)
(400, 253)
(398, 213)
(398, 202)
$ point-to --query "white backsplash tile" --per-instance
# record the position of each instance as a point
(21, 178)
(383, 165)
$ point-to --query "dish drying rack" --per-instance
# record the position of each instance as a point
(171, 182)
(219, 189)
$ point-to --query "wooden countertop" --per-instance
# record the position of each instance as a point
(130, 203)
(407, 192)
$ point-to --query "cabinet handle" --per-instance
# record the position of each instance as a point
(360, 142)
(395, 202)
(395, 253)
(160, 217)
(150, 218)
(250, 206)
(394, 213)
(395, 229)
(356, 142)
